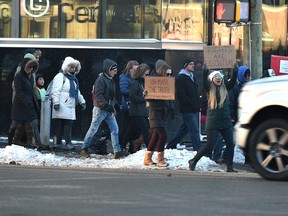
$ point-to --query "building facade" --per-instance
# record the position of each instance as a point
(144, 30)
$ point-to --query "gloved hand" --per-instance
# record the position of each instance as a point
(144, 93)
(83, 105)
(56, 107)
(109, 108)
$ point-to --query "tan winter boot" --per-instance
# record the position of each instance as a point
(148, 158)
(161, 161)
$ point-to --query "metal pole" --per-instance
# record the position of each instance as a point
(45, 121)
(256, 37)
(249, 43)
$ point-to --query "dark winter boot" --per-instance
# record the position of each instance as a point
(11, 135)
(84, 153)
(230, 169)
(19, 131)
(118, 155)
(192, 164)
(136, 145)
(29, 132)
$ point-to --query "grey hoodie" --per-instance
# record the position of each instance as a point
(107, 65)
(104, 87)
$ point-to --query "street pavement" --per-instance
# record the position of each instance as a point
(68, 191)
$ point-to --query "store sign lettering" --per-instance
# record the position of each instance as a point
(5, 11)
(34, 8)
(81, 14)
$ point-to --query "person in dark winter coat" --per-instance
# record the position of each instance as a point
(104, 109)
(157, 124)
(124, 83)
(65, 96)
(14, 124)
(138, 111)
(218, 116)
(189, 106)
(242, 78)
(24, 107)
(124, 119)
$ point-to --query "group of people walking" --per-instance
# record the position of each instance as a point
(144, 119)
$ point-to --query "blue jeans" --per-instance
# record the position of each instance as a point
(190, 124)
(97, 117)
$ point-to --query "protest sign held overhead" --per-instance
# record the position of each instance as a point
(219, 56)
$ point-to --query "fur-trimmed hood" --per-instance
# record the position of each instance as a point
(28, 63)
(70, 61)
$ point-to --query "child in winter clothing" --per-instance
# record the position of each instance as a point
(40, 88)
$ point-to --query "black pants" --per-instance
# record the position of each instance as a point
(136, 123)
(212, 135)
(64, 127)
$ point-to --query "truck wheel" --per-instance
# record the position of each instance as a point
(268, 148)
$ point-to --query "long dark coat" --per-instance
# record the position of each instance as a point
(24, 106)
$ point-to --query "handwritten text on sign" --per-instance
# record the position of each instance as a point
(219, 56)
(162, 88)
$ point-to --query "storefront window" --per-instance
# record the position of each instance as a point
(183, 20)
(132, 19)
(223, 35)
(274, 35)
(5, 19)
(59, 19)
(119, 19)
(125, 19)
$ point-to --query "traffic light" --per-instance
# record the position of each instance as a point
(245, 11)
(232, 11)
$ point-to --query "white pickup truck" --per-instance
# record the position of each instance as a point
(262, 128)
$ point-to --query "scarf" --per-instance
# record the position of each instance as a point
(73, 92)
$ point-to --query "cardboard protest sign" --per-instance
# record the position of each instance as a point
(161, 88)
(219, 56)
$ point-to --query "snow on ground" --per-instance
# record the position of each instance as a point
(177, 159)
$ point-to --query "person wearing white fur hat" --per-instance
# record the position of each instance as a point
(65, 96)
(218, 115)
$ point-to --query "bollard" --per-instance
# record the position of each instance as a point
(45, 121)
